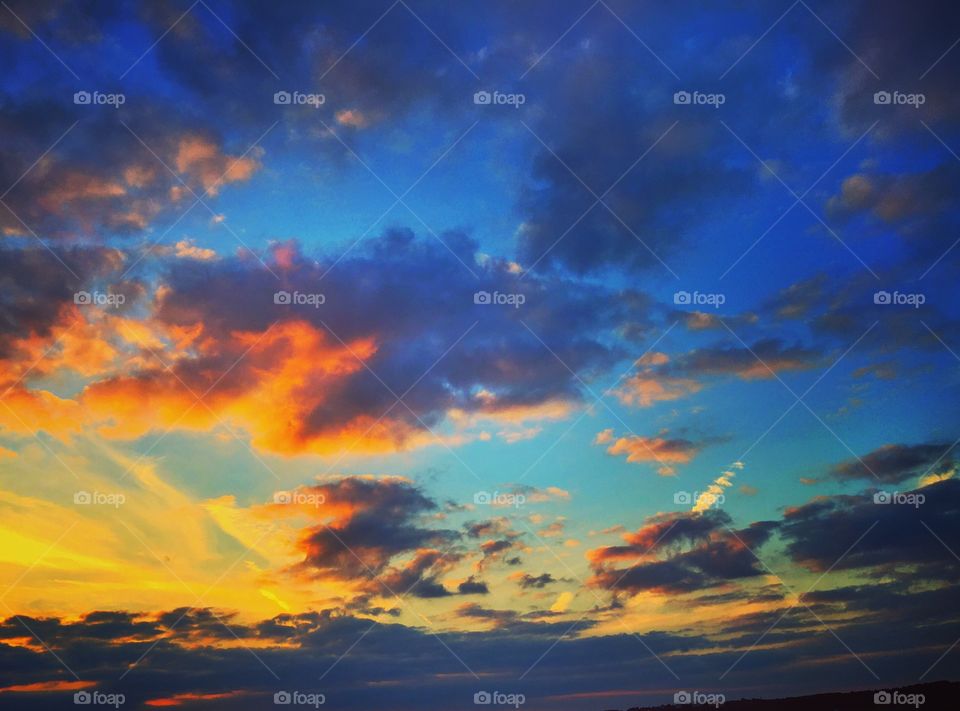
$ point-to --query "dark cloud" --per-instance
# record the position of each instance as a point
(295, 646)
(895, 463)
(536, 581)
(76, 172)
(681, 553)
(597, 143)
(37, 287)
(472, 586)
(418, 577)
(761, 359)
(373, 520)
(897, 535)
(907, 49)
(840, 309)
(376, 300)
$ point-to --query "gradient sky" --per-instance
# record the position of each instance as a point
(702, 439)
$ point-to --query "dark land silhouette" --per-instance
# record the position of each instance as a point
(937, 696)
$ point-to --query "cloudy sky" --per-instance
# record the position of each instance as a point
(404, 352)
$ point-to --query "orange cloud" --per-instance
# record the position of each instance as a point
(202, 160)
(264, 383)
(178, 699)
(649, 449)
(648, 387)
(353, 118)
(43, 686)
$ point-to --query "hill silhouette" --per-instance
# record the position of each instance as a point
(936, 695)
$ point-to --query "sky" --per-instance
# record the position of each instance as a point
(410, 355)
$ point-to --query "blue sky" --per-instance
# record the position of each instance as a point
(749, 293)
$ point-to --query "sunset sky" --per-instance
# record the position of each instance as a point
(401, 352)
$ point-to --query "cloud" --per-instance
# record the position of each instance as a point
(337, 377)
(709, 498)
(885, 34)
(364, 523)
(761, 360)
(647, 386)
(95, 180)
(917, 205)
(202, 161)
(420, 577)
(597, 144)
(887, 536)
(681, 553)
(40, 287)
(664, 450)
(527, 581)
(472, 586)
(895, 463)
(291, 645)
(662, 378)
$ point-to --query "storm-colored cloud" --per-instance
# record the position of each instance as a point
(888, 536)
(895, 463)
(365, 523)
(681, 553)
